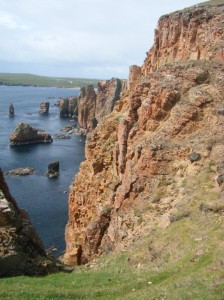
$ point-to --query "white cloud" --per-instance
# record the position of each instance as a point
(92, 37)
(8, 21)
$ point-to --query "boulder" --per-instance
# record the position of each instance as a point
(44, 108)
(194, 156)
(25, 134)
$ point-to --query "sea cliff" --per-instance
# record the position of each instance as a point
(149, 162)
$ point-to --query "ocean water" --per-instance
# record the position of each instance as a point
(46, 200)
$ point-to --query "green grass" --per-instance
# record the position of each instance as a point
(44, 81)
(188, 265)
(212, 2)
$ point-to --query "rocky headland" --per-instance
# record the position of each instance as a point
(156, 159)
(25, 134)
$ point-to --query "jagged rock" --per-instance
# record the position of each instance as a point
(25, 134)
(183, 35)
(140, 152)
(135, 74)
(108, 92)
(11, 110)
(68, 107)
(21, 171)
(44, 108)
(86, 108)
(92, 108)
(21, 250)
(53, 170)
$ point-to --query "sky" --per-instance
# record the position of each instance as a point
(79, 38)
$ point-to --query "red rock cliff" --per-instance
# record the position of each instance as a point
(190, 34)
(165, 128)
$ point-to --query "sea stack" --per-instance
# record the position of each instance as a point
(44, 108)
(11, 110)
(25, 134)
(53, 170)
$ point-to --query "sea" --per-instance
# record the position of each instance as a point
(45, 199)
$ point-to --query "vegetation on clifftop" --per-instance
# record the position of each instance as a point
(12, 79)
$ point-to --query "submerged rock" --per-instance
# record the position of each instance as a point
(25, 134)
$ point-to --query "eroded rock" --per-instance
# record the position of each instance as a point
(53, 170)
(25, 134)
(44, 108)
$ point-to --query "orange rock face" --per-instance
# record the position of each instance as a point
(137, 154)
(190, 34)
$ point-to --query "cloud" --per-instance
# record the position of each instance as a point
(8, 21)
(88, 37)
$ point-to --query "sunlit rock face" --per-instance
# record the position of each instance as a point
(172, 108)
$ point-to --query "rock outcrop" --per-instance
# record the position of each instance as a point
(167, 127)
(93, 107)
(21, 171)
(21, 250)
(108, 92)
(25, 134)
(86, 108)
(11, 110)
(53, 170)
(190, 34)
(44, 108)
(68, 107)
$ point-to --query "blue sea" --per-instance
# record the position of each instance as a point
(46, 200)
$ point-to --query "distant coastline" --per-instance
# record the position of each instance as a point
(27, 80)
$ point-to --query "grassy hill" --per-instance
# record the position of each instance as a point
(35, 80)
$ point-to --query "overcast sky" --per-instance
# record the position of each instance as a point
(79, 38)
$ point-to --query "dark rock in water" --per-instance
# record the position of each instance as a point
(21, 250)
(11, 110)
(21, 171)
(25, 134)
(67, 107)
(53, 170)
(194, 156)
(44, 108)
